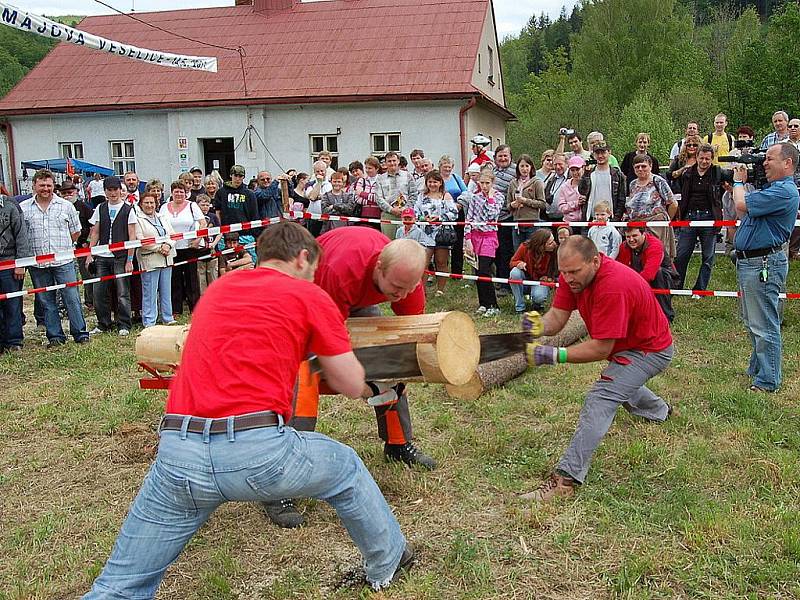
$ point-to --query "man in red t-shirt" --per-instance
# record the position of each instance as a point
(223, 437)
(626, 327)
(360, 268)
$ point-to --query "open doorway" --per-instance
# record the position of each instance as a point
(219, 155)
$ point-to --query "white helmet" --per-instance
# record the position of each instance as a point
(480, 140)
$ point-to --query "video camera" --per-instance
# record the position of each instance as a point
(752, 158)
(566, 132)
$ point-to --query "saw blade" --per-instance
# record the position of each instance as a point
(394, 362)
(500, 345)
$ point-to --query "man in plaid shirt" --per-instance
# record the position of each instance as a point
(54, 226)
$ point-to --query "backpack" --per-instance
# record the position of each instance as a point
(710, 136)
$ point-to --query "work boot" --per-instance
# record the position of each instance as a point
(556, 485)
(283, 513)
(402, 568)
(409, 454)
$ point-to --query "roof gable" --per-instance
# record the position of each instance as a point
(315, 50)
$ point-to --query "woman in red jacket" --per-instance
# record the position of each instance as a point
(534, 260)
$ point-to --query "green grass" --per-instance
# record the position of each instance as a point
(705, 506)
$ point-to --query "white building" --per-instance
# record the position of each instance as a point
(356, 77)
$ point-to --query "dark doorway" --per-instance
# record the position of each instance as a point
(219, 156)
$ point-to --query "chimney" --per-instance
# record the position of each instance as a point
(273, 5)
(243, 2)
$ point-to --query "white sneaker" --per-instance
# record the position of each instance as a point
(123, 332)
(696, 296)
(96, 331)
(481, 310)
(491, 312)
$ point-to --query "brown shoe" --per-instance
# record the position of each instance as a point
(556, 485)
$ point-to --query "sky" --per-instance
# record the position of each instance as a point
(511, 15)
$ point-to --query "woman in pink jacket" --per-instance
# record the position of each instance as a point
(570, 202)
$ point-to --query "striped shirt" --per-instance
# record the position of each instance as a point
(772, 138)
(51, 230)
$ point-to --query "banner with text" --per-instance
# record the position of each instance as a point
(25, 21)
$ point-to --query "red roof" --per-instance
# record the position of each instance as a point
(314, 51)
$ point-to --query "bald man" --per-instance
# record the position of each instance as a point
(360, 269)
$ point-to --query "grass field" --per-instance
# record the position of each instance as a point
(704, 506)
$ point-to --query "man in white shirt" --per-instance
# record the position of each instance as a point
(54, 226)
(692, 128)
(112, 221)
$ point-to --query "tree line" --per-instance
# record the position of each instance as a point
(625, 66)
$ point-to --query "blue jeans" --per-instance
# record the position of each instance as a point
(157, 293)
(521, 233)
(539, 293)
(761, 313)
(687, 238)
(10, 311)
(194, 473)
(46, 276)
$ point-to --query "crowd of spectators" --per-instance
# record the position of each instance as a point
(572, 183)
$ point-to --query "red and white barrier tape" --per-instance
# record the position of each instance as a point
(45, 259)
(79, 282)
(714, 293)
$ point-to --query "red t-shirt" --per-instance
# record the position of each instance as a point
(250, 331)
(618, 305)
(346, 269)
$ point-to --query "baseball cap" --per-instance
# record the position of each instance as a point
(238, 170)
(600, 145)
(198, 169)
(576, 161)
(407, 212)
(111, 183)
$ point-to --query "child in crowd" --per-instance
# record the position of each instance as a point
(562, 233)
(481, 240)
(605, 237)
(412, 230)
(535, 260)
(473, 173)
(208, 270)
(338, 201)
(238, 259)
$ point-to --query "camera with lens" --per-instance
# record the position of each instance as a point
(752, 158)
(565, 131)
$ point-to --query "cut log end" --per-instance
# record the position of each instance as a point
(454, 356)
(160, 347)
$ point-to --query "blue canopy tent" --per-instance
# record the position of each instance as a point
(59, 165)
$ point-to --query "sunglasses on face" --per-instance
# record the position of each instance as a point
(794, 126)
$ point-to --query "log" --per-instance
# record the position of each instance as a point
(489, 375)
(497, 373)
(574, 330)
(160, 346)
(448, 346)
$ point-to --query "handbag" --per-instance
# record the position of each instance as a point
(445, 236)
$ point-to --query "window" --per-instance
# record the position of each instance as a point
(385, 142)
(479, 63)
(490, 79)
(325, 142)
(122, 156)
(71, 150)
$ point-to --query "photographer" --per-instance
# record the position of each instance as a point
(571, 137)
(768, 217)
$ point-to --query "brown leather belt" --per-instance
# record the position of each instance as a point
(240, 423)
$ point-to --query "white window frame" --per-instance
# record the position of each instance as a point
(385, 136)
(326, 145)
(122, 162)
(67, 150)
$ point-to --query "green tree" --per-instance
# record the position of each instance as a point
(648, 113)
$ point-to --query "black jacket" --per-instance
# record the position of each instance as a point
(627, 165)
(716, 192)
(619, 192)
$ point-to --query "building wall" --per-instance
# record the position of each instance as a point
(487, 122)
(488, 62)
(285, 130)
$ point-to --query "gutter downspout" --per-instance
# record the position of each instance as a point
(462, 128)
(12, 161)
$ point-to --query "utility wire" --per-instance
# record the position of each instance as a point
(239, 49)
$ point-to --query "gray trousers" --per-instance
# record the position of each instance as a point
(622, 382)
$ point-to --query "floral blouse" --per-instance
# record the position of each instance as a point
(649, 199)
